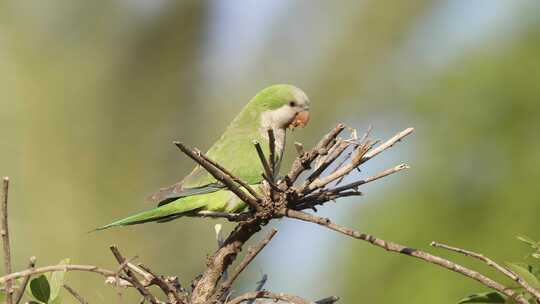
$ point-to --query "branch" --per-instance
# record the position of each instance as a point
(165, 286)
(385, 173)
(268, 295)
(397, 248)
(205, 287)
(198, 157)
(30, 272)
(5, 238)
(134, 280)
(252, 253)
(513, 276)
(272, 148)
(387, 144)
(75, 294)
(22, 288)
(360, 151)
(267, 170)
(233, 217)
(232, 176)
(260, 286)
(304, 161)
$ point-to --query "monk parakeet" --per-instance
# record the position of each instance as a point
(278, 107)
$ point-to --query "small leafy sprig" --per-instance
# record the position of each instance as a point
(526, 271)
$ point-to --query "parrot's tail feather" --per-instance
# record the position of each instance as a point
(161, 214)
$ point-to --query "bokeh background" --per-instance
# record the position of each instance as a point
(93, 92)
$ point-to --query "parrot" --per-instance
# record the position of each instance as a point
(278, 107)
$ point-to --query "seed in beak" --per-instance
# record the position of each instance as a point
(300, 119)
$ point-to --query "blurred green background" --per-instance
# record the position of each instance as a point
(93, 92)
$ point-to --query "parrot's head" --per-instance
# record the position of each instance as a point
(282, 106)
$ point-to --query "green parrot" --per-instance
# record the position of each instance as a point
(278, 107)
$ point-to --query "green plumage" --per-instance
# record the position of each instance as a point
(234, 151)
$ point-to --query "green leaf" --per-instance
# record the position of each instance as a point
(56, 300)
(484, 297)
(40, 288)
(2, 297)
(57, 280)
(524, 271)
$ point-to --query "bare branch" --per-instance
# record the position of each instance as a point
(22, 288)
(165, 286)
(232, 176)
(5, 238)
(205, 287)
(218, 174)
(272, 155)
(134, 280)
(397, 248)
(268, 295)
(260, 286)
(75, 294)
(233, 217)
(30, 272)
(507, 272)
(387, 144)
(252, 253)
(385, 173)
(303, 162)
(359, 153)
(267, 170)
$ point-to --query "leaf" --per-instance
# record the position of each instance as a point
(56, 300)
(524, 271)
(484, 297)
(40, 288)
(2, 297)
(57, 280)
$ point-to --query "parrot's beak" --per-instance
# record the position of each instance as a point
(300, 119)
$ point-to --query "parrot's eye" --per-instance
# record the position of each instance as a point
(292, 103)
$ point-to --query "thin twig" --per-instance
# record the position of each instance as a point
(272, 153)
(387, 144)
(233, 217)
(70, 267)
(135, 281)
(359, 153)
(397, 248)
(507, 272)
(232, 176)
(303, 162)
(20, 292)
(218, 174)
(252, 253)
(371, 178)
(264, 162)
(5, 238)
(268, 295)
(75, 294)
(260, 286)
(326, 161)
(165, 286)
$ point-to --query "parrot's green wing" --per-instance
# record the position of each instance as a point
(222, 201)
(233, 150)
